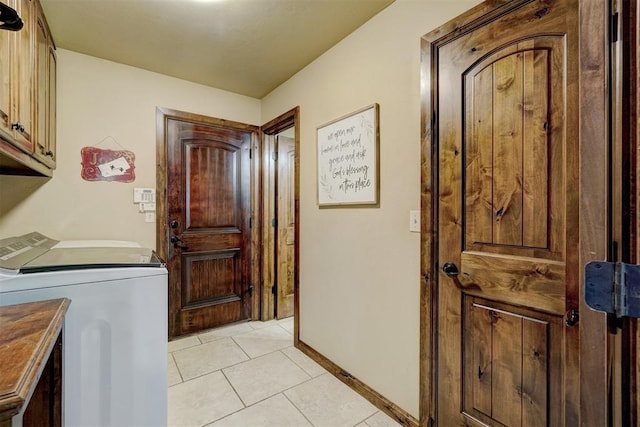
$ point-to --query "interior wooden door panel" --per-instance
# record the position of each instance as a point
(209, 276)
(208, 211)
(286, 226)
(508, 364)
(512, 159)
(506, 218)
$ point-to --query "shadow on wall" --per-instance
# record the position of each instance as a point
(15, 189)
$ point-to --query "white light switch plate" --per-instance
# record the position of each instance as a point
(414, 221)
(149, 217)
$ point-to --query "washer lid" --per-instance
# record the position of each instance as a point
(57, 259)
(96, 244)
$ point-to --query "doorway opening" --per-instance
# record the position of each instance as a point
(280, 227)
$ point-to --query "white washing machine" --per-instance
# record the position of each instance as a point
(115, 332)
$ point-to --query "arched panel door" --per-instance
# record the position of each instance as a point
(507, 219)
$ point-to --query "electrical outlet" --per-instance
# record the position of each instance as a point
(150, 217)
(414, 221)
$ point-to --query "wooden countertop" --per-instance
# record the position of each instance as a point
(27, 335)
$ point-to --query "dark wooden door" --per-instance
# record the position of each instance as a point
(208, 237)
(285, 241)
(507, 217)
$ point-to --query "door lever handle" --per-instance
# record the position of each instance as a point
(175, 240)
(451, 270)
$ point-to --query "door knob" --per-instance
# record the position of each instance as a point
(450, 269)
(571, 317)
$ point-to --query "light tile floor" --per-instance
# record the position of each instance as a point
(250, 375)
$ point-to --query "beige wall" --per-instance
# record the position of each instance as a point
(359, 268)
(99, 99)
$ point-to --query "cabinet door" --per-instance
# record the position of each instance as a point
(53, 94)
(23, 72)
(42, 137)
(6, 38)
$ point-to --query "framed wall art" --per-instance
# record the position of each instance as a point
(348, 159)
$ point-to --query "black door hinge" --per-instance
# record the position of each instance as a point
(614, 27)
(274, 222)
(250, 290)
(274, 289)
(613, 287)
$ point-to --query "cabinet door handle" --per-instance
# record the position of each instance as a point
(49, 153)
(17, 126)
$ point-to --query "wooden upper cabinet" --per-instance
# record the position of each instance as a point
(27, 94)
(45, 59)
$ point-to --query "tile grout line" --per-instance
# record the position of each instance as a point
(198, 334)
(285, 329)
(298, 365)
(177, 369)
(376, 410)
(210, 372)
(240, 347)
(185, 348)
(233, 337)
(297, 409)
(278, 392)
(229, 366)
(365, 420)
(236, 392)
(226, 336)
(268, 397)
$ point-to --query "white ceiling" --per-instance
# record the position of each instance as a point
(244, 46)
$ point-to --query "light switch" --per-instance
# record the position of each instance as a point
(414, 221)
(149, 217)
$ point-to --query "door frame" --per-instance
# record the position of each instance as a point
(268, 131)
(625, 130)
(163, 115)
(591, 398)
